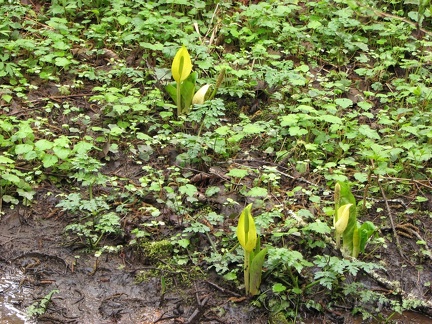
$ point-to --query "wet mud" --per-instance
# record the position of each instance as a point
(35, 262)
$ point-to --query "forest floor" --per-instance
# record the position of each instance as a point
(116, 209)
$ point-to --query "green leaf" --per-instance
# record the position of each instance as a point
(62, 61)
(28, 194)
(7, 98)
(331, 119)
(172, 91)
(237, 173)
(83, 147)
(257, 192)
(253, 129)
(289, 120)
(61, 152)
(187, 91)
(11, 178)
(43, 144)
(366, 230)
(368, 132)
(319, 227)
(5, 160)
(344, 102)
(278, 287)
(49, 160)
(256, 272)
(23, 148)
(297, 131)
(360, 177)
(212, 191)
(188, 190)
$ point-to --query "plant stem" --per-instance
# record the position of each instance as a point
(211, 242)
(179, 110)
(246, 271)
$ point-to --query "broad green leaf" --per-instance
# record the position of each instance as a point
(319, 227)
(368, 132)
(172, 91)
(278, 287)
(10, 199)
(11, 178)
(253, 128)
(6, 160)
(62, 61)
(237, 173)
(83, 147)
(289, 120)
(360, 177)
(212, 190)
(256, 272)
(187, 91)
(331, 119)
(188, 190)
(23, 148)
(61, 152)
(222, 130)
(257, 192)
(28, 194)
(49, 160)
(246, 231)
(297, 131)
(7, 98)
(43, 144)
(366, 230)
(344, 102)
(181, 65)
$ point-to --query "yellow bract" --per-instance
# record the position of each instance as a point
(343, 217)
(246, 230)
(181, 65)
(199, 96)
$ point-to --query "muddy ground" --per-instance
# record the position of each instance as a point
(37, 258)
(102, 290)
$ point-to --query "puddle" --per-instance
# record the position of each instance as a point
(410, 317)
(11, 297)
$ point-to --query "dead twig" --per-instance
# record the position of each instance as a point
(199, 310)
(57, 98)
(389, 213)
(222, 289)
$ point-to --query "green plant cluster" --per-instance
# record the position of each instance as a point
(314, 94)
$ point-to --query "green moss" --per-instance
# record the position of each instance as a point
(160, 255)
(157, 250)
(278, 318)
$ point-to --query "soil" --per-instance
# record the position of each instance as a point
(35, 261)
(37, 258)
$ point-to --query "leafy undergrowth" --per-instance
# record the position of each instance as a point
(314, 93)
